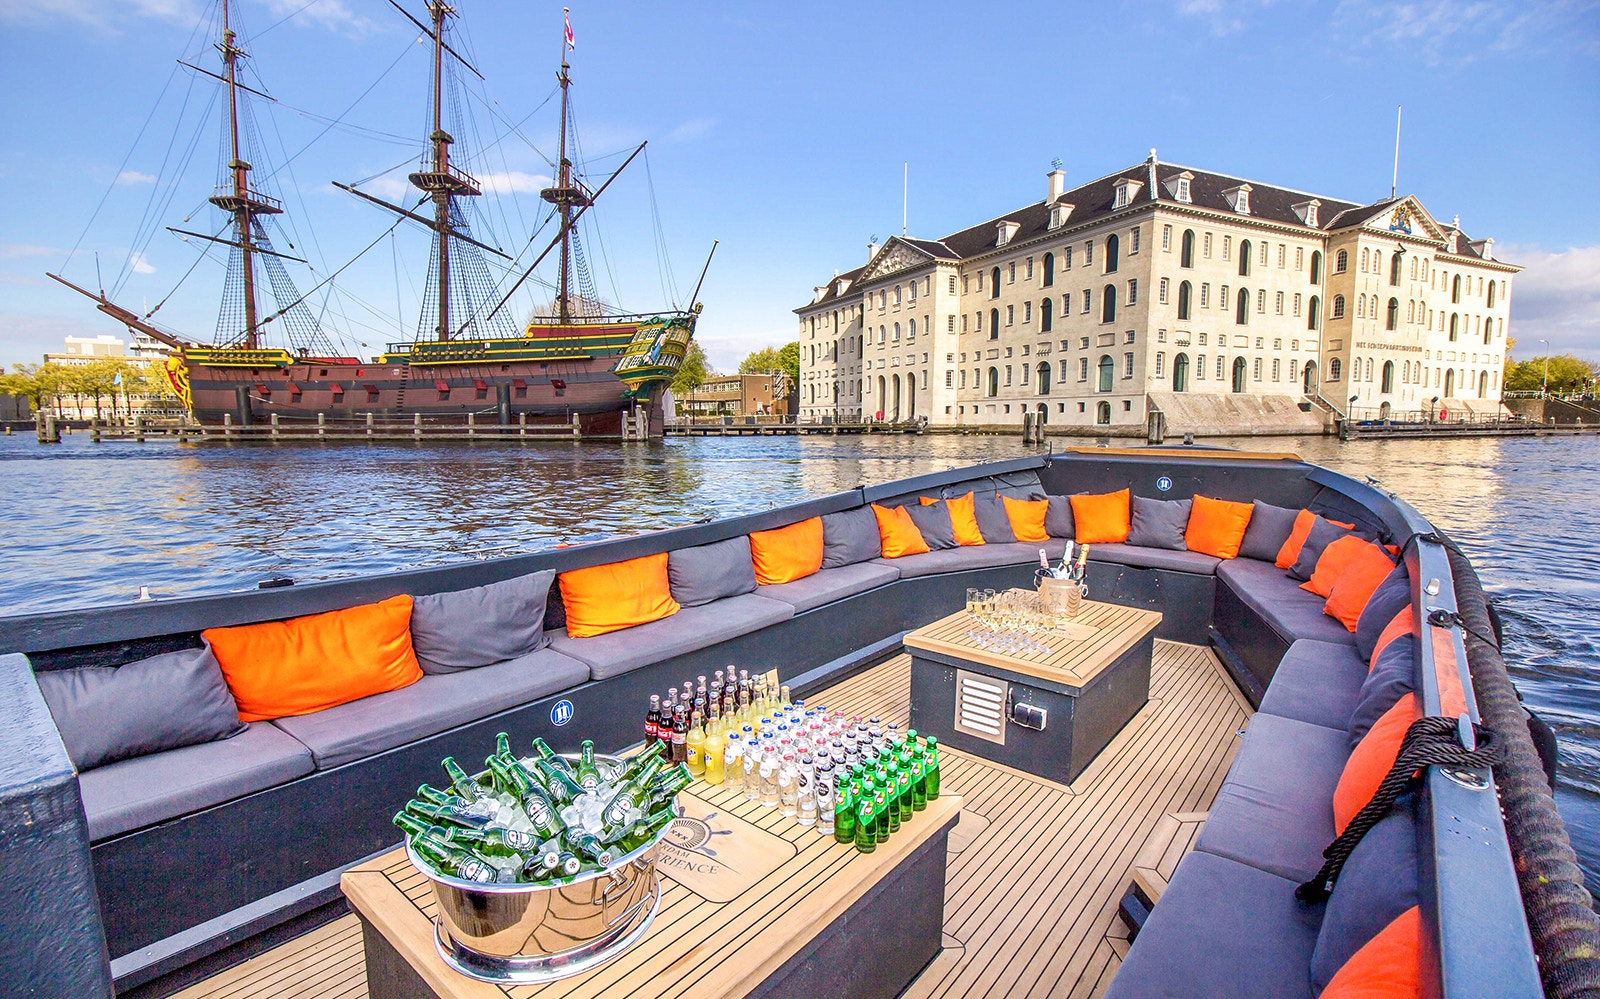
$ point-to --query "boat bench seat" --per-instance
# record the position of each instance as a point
(1222, 929)
(1318, 683)
(689, 630)
(149, 789)
(1280, 602)
(827, 585)
(434, 704)
(972, 557)
(1155, 558)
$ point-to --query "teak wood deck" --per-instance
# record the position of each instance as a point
(1036, 868)
(1096, 637)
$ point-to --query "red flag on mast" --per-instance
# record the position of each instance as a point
(566, 16)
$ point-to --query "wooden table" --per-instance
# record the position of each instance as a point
(1087, 681)
(752, 904)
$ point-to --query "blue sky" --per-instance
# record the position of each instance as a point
(780, 130)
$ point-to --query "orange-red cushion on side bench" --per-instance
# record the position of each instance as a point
(1371, 761)
(1387, 967)
(617, 595)
(963, 518)
(1400, 624)
(1027, 518)
(280, 668)
(1362, 575)
(1342, 555)
(1303, 522)
(897, 533)
(1102, 518)
(785, 554)
(1216, 527)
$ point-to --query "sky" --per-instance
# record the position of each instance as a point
(783, 131)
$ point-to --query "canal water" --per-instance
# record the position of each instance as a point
(89, 524)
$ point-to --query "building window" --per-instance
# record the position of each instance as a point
(1455, 290)
(1242, 312)
(1244, 259)
(1108, 303)
(1113, 248)
(1011, 315)
(1221, 368)
(1066, 305)
(1162, 291)
(1127, 364)
(1341, 263)
(1316, 266)
(1392, 317)
(994, 283)
(1297, 303)
(1338, 310)
(1335, 369)
(1044, 378)
(1186, 253)
(1239, 368)
(1205, 249)
(1029, 263)
(1049, 269)
(1133, 241)
(1275, 369)
(1454, 318)
(1083, 369)
(1011, 272)
(1205, 295)
(1166, 238)
(1184, 290)
(1088, 307)
(1161, 363)
(1102, 413)
(1129, 336)
(1066, 254)
(1107, 372)
(1255, 370)
(1388, 376)
(1046, 316)
(1490, 300)
(1088, 252)
(1278, 306)
(994, 382)
(1133, 291)
(994, 324)
(1395, 265)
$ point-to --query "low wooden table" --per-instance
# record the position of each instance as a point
(752, 904)
(1088, 681)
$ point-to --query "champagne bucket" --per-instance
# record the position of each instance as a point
(519, 934)
(1061, 598)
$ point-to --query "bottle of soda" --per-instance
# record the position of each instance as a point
(902, 791)
(844, 810)
(930, 777)
(652, 720)
(680, 734)
(887, 821)
(919, 788)
(866, 831)
(695, 744)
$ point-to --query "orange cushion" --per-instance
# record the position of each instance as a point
(1027, 518)
(1361, 577)
(1400, 624)
(1303, 523)
(1102, 518)
(281, 668)
(1387, 967)
(1371, 761)
(1341, 555)
(788, 553)
(963, 518)
(897, 532)
(617, 595)
(1217, 526)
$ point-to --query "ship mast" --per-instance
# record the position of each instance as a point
(443, 181)
(237, 199)
(565, 195)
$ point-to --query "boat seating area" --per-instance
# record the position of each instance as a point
(200, 851)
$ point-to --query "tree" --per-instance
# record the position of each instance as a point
(1566, 371)
(785, 359)
(693, 371)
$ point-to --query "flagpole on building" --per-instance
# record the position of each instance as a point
(1394, 185)
(905, 195)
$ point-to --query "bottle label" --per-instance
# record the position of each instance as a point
(517, 839)
(475, 870)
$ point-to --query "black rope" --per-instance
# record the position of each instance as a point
(1429, 741)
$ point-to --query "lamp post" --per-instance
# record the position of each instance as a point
(1544, 388)
(1433, 409)
(1352, 410)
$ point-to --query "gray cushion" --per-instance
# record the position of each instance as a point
(933, 523)
(110, 713)
(1159, 523)
(829, 585)
(849, 536)
(1323, 533)
(1317, 682)
(1017, 485)
(993, 521)
(1279, 601)
(434, 704)
(1275, 809)
(486, 624)
(692, 628)
(1377, 884)
(1058, 521)
(705, 573)
(1393, 676)
(1221, 930)
(1198, 563)
(131, 794)
(1270, 526)
(973, 557)
(1391, 597)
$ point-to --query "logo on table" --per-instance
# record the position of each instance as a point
(716, 855)
(561, 712)
(1164, 483)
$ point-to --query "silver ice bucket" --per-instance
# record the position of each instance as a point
(530, 933)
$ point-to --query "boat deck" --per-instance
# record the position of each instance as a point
(1036, 868)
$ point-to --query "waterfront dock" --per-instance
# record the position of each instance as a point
(786, 426)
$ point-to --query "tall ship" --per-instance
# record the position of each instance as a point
(575, 362)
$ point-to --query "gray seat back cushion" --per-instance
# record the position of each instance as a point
(933, 523)
(1377, 884)
(993, 521)
(1270, 526)
(1159, 523)
(1393, 676)
(1323, 533)
(110, 713)
(465, 629)
(1058, 522)
(1391, 597)
(848, 537)
(705, 573)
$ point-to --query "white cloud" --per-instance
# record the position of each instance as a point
(14, 251)
(390, 188)
(1557, 298)
(1458, 31)
(514, 181)
(1224, 17)
(140, 263)
(135, 177)
(694, 128)
(334, 14)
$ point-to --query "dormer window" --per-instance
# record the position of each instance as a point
(1004, 231)
(1059, 213)
(1238, 198)
(1454, 237)
(1307, 210)
(1126, 190)
(1178, 187)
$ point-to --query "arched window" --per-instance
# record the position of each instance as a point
(994, 382)
(1455, 290)
(1338, 307)
(1309, 377)
(1491, 294)
(1316, 267)
(1108, 304)
(1106, 370)
(1240, 369)
(1454, 321)
(1483, 384)
(1488, 330)
(1392, 318)
(1113, 245)
(1043, 372)
(1046, 315)
(1335, 366)
(1186, 253)
(1314, 313)
(896, 332)
(994, 283)
(882, 394)
(1341, 263)
(994, 324)
(1388, 376)
(1102, 413)
(911, 397)
(1450, 382)
(1394, 269)
(1241, 314)
(1185, 291)
(913, 329)
(1180, 373)
(1366, 259)
(1049, 269)
(1244, 258)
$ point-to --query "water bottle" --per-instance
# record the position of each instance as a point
(752, 770)
(769, 777)
(805, 800)
(824, 799)
(788, 786)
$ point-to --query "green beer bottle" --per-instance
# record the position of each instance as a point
(496, 842)
(669, 784)
(588, 774)
(640, 832)
(844, 810)
(448, 814)
(866, 840)
(453, 861)
(629, 796)
(930, 777)
(559, 784)
(592, 848)
(552, 759)
(502, 745)
(464, 784)
(636, 763)
(434, 796)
